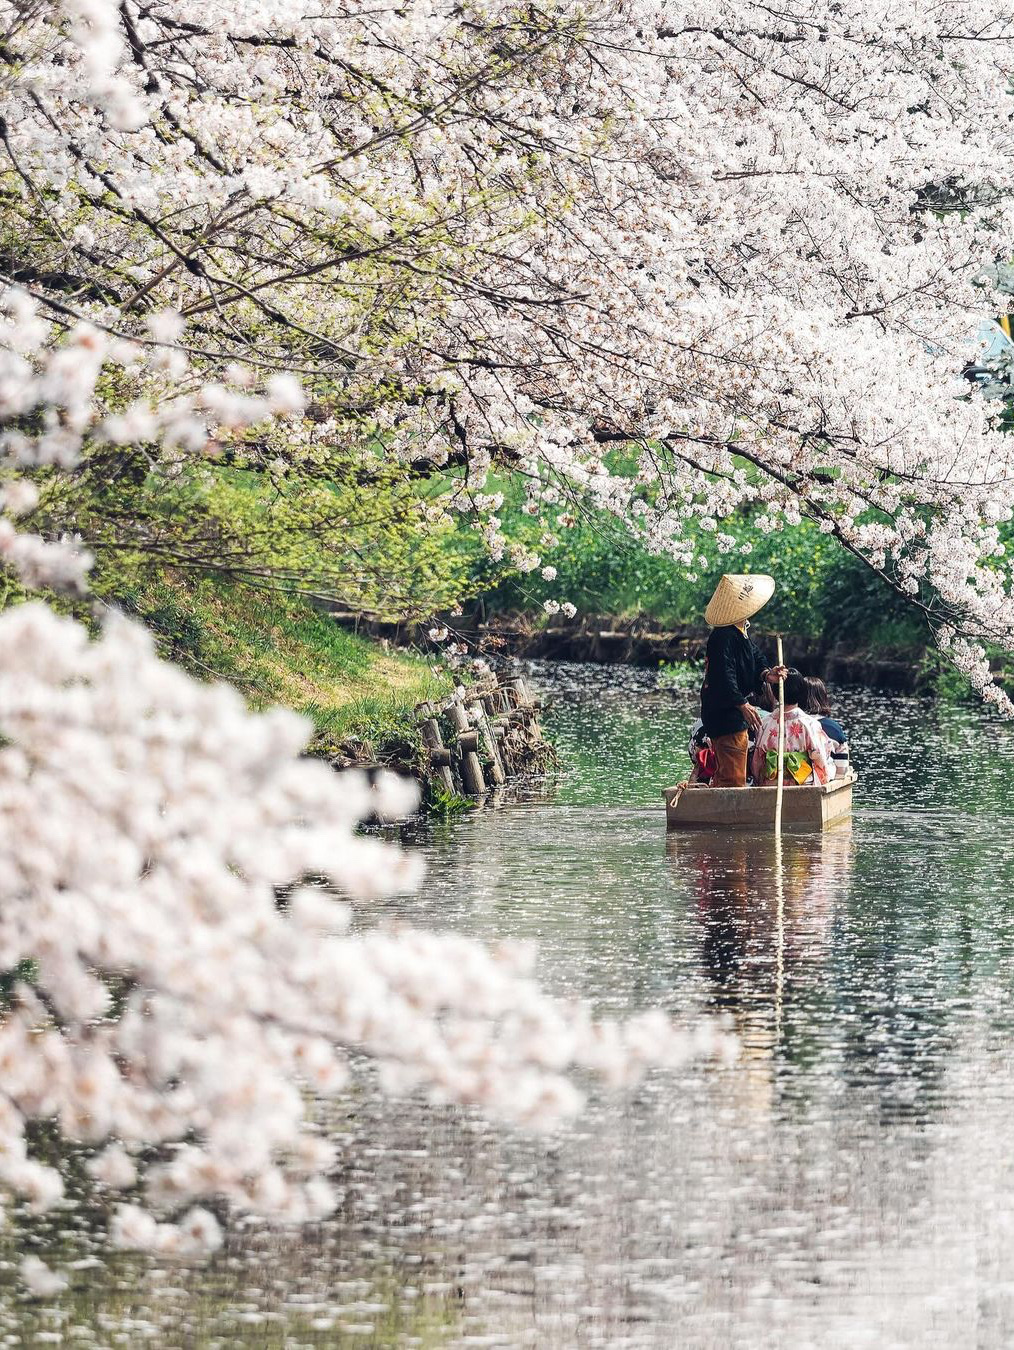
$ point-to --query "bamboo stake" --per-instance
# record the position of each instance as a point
(779, 869)
(779, 938)
(779, 791)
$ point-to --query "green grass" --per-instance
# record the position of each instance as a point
(279, 649)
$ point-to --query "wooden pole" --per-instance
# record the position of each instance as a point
(779, 938)
(439, 756)
(779, 791)
(492, 750)
(779, 872)
(471, 770)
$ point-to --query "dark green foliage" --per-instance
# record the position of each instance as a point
(445, 805)
(823, 591)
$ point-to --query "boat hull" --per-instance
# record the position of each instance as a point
(698, 807)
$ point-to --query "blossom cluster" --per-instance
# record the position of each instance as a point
(51, 408)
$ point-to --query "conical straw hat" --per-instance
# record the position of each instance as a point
(737, 597)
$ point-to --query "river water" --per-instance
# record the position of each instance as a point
(848, 1181)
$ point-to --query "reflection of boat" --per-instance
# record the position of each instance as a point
(744, 886)
(765, 907)
(694, 806)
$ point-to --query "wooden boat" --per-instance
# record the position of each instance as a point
(696, 806)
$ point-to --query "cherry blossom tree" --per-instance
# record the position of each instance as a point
(749, 246)
(157, 997)
(514, 235)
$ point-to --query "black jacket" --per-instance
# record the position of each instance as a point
(732, 675)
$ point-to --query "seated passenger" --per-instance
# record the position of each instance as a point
(701, 754)
(807, 759)
(818, 704)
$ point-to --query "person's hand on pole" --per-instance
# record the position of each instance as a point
(775, 674)
(752, 716)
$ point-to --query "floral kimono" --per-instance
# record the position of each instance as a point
(807, 750)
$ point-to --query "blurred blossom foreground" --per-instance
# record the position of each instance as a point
(163, 993)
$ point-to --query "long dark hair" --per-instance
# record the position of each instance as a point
(795, 688)
(816, 700)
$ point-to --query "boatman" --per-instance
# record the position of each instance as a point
(734, 673)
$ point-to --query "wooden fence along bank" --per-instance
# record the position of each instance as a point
(485, 738)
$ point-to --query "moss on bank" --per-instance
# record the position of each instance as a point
(279, 649)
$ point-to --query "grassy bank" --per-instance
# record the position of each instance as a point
(279, 649)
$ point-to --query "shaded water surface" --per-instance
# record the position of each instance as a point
(847, 1182)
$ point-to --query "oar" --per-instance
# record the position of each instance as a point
(781, 746)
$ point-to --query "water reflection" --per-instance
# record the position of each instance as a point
(764, 907)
